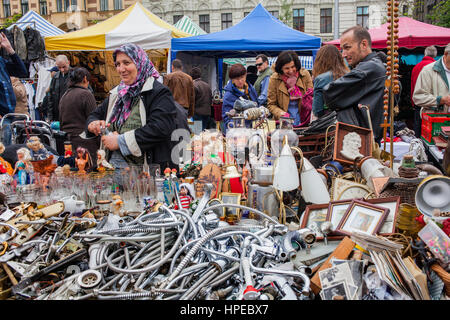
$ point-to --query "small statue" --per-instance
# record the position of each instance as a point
(116, 205)
(9, 169)
(102, 164)
(169, 192)
(23, 166)
(83, 160)
(351, 145)
(185, 195)
(68, 150)
(175, 179)
(38, 151)
(244, 182)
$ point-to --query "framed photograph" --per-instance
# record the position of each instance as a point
(391, 203)
(342, 189)
(363, 217)
(314, 216)
(338, 291)
(336, 211)
(351, 142)
(232, 198)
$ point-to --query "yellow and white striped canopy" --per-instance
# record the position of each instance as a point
(134, 24)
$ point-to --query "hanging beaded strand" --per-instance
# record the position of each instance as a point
(392, 86)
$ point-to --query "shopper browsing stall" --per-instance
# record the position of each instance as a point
(364, 84)
(328, 66)
(140, 113)
(287, 86)
(75, 107)
(236, 88)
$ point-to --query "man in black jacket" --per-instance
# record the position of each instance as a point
(58, 87)
(364, 84)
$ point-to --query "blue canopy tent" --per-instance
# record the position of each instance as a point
(259, 32)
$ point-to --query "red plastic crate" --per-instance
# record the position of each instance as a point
(432, 123)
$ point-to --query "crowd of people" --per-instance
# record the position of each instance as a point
(134, 124)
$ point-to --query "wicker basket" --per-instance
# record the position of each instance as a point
(314, 145)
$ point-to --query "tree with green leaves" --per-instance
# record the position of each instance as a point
(12, 20)
(440, 16)
(286, 12)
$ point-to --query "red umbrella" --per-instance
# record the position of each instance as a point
(412, 33)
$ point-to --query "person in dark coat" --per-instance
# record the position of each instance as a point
(203, 98)
(75, 107)
(58, 87)
(364, 84)
(236, 88)
(13, 67)
(140, 114)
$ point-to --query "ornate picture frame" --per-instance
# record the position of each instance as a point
(342, 129)
(391, 203)
(313, 217)
(362, 217)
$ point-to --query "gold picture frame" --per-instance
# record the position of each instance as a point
(231, 198)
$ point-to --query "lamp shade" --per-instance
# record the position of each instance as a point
(285, 176)
(314, 189)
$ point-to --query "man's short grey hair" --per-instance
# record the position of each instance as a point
(447, 48)
(61, 58)
(431, 51)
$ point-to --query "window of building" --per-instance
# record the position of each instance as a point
(103, 5)
(325, 20)
(246, 13)
(118, 5)
(204, 22)
(362, 16)
(43, 7)
(24, 5)
(177, 18)
(298, 19)
(274, 13)
(405, 10)
(227, 20)
(6, 8)
(59, 6)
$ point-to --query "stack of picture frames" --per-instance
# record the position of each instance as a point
(370, 216)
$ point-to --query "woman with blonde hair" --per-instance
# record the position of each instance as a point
(328, 66)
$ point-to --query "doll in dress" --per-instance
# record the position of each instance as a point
(186, 195)
(9, 169)
(23, 167)
(38, 150)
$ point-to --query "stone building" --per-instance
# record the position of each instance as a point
(67, 15)
(315, 17)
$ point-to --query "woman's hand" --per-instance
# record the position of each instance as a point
(96, 126)
(6, 44)
(111, 141)
(286, 115)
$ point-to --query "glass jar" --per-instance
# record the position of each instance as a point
(285, 128)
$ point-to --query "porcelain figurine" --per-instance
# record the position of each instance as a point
(37, 149)
(102, 164)
(82, 160)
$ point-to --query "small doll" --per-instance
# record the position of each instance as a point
(83, 160)
(168, 189)
(38, 151)
(23, 167)
(185, 195)
(102, 164)
(68, 150)
(116, 205)
(5, 164)
(244, 182)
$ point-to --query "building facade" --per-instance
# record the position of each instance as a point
(67, 15)
(315, 17)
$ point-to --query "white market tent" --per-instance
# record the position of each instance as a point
(187, 25)
(34, 20)
(135, 24)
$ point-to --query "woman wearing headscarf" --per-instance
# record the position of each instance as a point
(139, 113)
(287, 86)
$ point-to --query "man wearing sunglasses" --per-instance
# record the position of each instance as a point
(262, 82)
